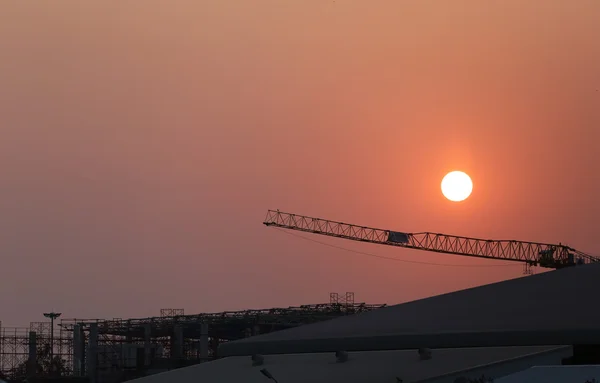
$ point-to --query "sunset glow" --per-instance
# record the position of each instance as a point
(141, 145)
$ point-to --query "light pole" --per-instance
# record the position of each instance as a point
(52, 316)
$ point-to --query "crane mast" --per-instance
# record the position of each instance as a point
(531, 253)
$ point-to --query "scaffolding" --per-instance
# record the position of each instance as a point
(116, 350)
(344, 300)
(14, 344)
(25, 352)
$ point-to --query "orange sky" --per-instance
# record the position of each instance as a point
(141, 146)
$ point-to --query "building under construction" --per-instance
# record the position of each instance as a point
(34, 351)
(116, 350)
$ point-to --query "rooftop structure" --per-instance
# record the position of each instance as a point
(126, 348)
(543, 309)
(555, 374)
(367, 367)
(494, 330)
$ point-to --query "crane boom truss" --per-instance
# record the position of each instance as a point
(531, 253)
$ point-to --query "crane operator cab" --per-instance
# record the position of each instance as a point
(547, 259)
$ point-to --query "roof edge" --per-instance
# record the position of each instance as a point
(457, 339)
(497, 363)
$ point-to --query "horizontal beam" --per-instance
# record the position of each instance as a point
(411, 341)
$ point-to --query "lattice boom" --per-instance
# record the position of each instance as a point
(539, 254)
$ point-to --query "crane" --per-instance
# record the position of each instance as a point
(530, 253)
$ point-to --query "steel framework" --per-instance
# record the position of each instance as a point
(337, 299)
(226, 326)
(171, 312)
(531, 253)
(173, 339)
(15, 350)
(129, 348)
(14, 347)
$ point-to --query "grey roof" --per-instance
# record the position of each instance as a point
(554, 374)
(557, 307)
(373, 366)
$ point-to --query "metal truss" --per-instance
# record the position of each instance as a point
(171, 312)
(229, 322)
(117, 336)
(532, 253)
(14, 349)
(119, 339)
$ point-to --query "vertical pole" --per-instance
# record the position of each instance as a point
(51, 345)
(177, 351)
(1, 346)
(77, 350)
(52, 316)
(82, 345)
(32, 358)
(147, 335)
(203, 342)
(92, 356)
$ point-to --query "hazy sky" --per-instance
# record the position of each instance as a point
(141, 143)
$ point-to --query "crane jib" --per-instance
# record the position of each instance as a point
(397, 237)
(531, 253)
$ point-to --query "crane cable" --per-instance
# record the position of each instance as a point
(390, 258)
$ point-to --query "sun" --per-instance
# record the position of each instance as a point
(457, 186)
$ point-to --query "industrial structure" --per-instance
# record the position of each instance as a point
(495, 331)
(530, 321)
(28, 352)
(529, 253)
(462, 365)
(116, 350)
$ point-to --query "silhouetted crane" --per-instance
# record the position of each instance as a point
(531, 253)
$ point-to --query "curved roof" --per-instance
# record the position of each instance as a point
(374, 366)
(554, 374)
(556, 307)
